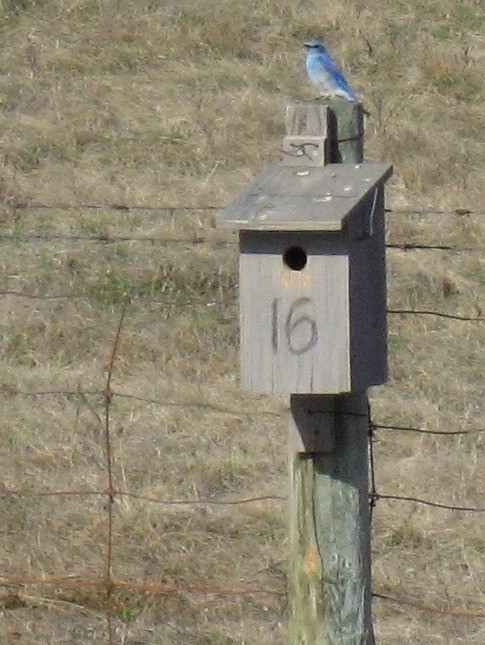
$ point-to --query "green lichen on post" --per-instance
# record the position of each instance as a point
(329, 575)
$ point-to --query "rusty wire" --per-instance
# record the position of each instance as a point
(427, 608)
(459, 211)
(221, 302)
(107, 395)
(198, 238)
(108, 583)
(141, 587)
(440, 314)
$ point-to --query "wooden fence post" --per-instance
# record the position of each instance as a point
(313, 325)
(329, 562)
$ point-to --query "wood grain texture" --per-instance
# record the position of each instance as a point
(299, 199)
(307, 140)
(313, 324)
(330, 559)
(346, 131)
(320, 329)
(342, 121)
(329, 568)
(294, 324)
(367, 294)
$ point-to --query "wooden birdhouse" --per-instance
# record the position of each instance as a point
(312, 278)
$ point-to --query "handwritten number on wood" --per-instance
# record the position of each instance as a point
(296, 321)
(294, 324)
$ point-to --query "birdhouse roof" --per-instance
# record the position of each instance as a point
(298, 198)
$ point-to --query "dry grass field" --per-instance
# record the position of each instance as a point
(149, 103)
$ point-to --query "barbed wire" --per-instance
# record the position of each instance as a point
(62, 206)
(375, 495)
(165, 590)
(108, 583)
(408, 246)
(211, 302)
(443, 433)
(25, 205)
(439, 314)
(203, 405)
(214, 407)
(433, 211)
(111, 239)
(141, 587)
(434, 610)
(168, 590)
(115, 492)
(197, 239)
(170, 302)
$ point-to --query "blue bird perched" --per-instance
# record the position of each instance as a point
(324, 73)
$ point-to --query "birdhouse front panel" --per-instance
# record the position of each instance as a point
(294, 313)
(312, 278)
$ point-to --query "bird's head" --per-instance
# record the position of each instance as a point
(314, 45)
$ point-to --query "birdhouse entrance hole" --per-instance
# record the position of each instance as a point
(295, 258)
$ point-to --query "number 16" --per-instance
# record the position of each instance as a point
(293, 327)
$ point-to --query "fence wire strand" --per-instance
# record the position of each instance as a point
(108, 583)
(221, 303)
(426, 502)
(107, 395)
(442, 433)
(197, 238)
(19, 205)
(440, 314)
(141, 587)
(427, 608)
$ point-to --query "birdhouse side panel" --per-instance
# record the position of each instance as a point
(368, 299)
(294, 312)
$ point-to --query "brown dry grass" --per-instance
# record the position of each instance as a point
(166, 103)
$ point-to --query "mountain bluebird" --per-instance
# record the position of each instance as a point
(325, 74)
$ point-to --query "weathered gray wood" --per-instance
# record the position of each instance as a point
(307, 119)
(329, 561)
(312, 289)
(367, 294)
(320, 328)
(303, 199)
(312, 427)
(346, 126)
(306, 140)
(294, 324)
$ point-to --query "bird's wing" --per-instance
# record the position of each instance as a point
(326, 61)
